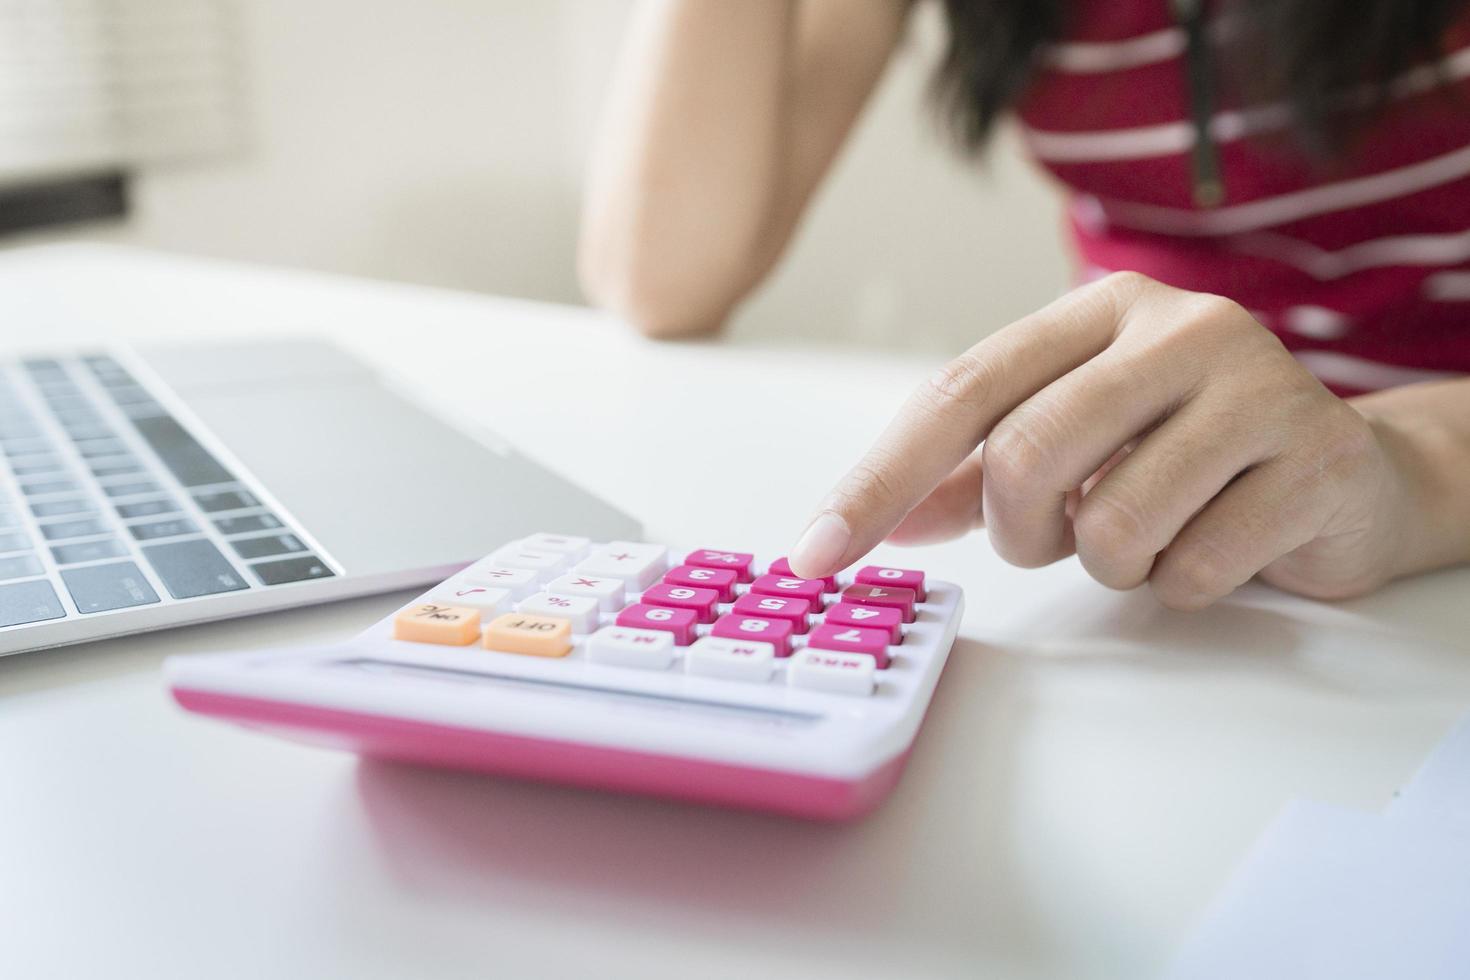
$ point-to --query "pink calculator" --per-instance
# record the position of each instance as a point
(705, 675)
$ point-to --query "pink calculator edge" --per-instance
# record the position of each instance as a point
(549, 760)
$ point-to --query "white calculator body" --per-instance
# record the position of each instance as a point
(702, 675)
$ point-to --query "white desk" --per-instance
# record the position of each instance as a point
(1091, 769)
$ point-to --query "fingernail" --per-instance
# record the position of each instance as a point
(821, 546)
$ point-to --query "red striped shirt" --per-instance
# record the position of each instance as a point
(1363, 271)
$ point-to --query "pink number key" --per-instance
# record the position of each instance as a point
(809, 589)
(722, 580)
(789, 608)
(868, 617)
(737, 561)
(851, 639)
(903, 578)
(776, 632)
(701, 601)
(783, 567)
(679, 622)
(891, 597)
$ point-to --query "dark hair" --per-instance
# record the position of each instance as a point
(1307, 52)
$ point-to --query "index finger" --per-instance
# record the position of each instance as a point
(945, 418)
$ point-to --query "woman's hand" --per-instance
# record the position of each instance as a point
(1163, 436)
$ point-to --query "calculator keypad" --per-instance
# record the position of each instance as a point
(718, 614)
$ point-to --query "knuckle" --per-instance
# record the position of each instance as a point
(1213, 316)
(961, 384)
(1011, 457)
(1195, 576)
(1108, 529)
(1126, 282)
(872, 480)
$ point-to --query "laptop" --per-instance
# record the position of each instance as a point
(152, 487)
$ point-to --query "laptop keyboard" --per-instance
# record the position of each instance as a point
(108, 502)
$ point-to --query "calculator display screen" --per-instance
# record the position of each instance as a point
(766, 717)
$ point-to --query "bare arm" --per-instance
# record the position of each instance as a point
(722, 120)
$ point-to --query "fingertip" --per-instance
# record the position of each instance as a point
(820, 548)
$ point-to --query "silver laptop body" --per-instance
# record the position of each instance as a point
(141, 489)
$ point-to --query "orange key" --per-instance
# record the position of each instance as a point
(434, 622)
(538, 636)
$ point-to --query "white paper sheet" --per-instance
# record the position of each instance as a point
(1334, 894)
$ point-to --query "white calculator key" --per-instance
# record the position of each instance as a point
(609, 592)
(578, 610)
(563, 544)
(546, 564)
(520, 582)
(624, 646)
(489, 601)
(638, 565)
(827, 670)
(735, 660)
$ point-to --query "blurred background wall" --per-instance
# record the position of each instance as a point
(443, 142)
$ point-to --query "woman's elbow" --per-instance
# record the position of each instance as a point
(655, 298)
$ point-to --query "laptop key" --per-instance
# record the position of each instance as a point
(129, 394)
(29, 602)
(13, 540)
(129, 489)
(41, 487)
(280, 544)
(163, 529)
(20, 566)
(93, 448)
(86, 431)
(146, 508)
(98, 588)
(189, 461)
(62, 530)
(225, 500)
(193, 568)
(25, 447)
(73, 554)
(247, 522)
(114, 466)
(291, 570)
(60, 508)
(40, 465)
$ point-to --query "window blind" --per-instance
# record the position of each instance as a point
(98, 85)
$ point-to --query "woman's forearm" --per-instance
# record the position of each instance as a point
(723, 116)
(1429, 427)
(685, 166)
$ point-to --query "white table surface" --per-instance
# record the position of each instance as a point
(1091, 768)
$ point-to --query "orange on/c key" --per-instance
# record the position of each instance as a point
(434, 622)
(537, 636)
